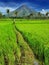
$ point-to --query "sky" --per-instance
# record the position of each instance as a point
(38, 5)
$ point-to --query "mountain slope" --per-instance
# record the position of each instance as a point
(22, 11)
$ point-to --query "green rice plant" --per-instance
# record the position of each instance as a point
(37, 36)
(9, 49)
(46, 54)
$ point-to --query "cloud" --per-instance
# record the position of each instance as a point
(3, 9)
(44, 11)
(9, 5)
(14, 5)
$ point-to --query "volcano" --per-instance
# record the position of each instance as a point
(22, 11)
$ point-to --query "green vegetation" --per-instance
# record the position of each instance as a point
(24, 41)
(32, 21)
(8, 45)
(37, 36)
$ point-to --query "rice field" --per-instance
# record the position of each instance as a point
(37, 36)
(17, 40)
(8, 45)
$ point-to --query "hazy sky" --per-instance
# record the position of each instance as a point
(38, 5)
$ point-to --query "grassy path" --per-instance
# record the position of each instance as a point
(27, 56)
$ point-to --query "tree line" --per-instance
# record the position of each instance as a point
(29, 16)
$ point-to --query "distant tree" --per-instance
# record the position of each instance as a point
(1, 15)
(8, 12)
(16, 13)
(14, 17)
(29, 16)
(47, 14)
(4, 16)
(39, 14)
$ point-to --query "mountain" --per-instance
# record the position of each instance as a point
(22, 11)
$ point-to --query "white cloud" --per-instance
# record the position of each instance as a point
(9, 5)
(3, 9)
(44, 11)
